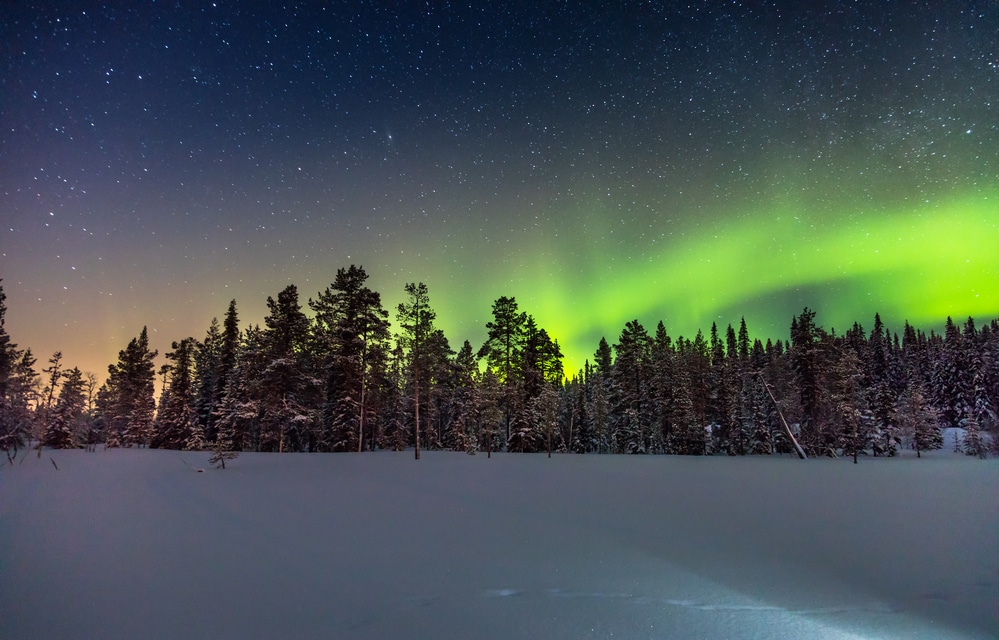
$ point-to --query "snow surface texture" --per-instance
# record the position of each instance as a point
(137, 544)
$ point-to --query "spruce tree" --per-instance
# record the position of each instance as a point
(17, 389)
(177, 425)
(286, 391)
(126, 401)
(629, 376)
(206, 361)
(351, 336)
(973, 443)
(224, 447)
(53, 376)
(919, 420)
(465, 401)
(65, 426)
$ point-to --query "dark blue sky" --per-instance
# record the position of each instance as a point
(599, 161)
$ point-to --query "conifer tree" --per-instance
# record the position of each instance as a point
(951, 379)
(491, 419)
(919, 420)
(464, 415)
(630, 373)
(973, 443)
(126, 402)
(881, 398)
(206, 362)
(53, 376)
(603, 357)
(854, 432)
(352, 334)
(65, 427)
(805, 361)
(177, 425)
(503, 349)
(17, 389)
(416, 324)
(284, 387)
(224, 447)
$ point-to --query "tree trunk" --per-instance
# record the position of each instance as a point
(416, 427)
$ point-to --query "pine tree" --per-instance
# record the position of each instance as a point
(54, 374)
(177, 425)
(65, 426)
(503, 350)
(951, 379)
(973, 443)
(285, 390)
(491, 419)
(126, 402)
(206, 364)
(352, 334)
(854, 433)
(17, 389)
(224, 446)
(805, 361)
(629, 376)
(236, 414)
(416, 323)
(464, 414)
(881, 397)
(920, 421)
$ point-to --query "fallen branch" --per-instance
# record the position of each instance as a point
(190, 466)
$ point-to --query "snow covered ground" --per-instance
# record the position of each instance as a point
(137, 544)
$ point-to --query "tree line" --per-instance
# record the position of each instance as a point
(344, 378)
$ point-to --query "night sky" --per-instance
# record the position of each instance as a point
(598, 161)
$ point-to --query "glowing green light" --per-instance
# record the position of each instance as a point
(920, 264)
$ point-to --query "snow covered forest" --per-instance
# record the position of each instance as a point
(334, 373)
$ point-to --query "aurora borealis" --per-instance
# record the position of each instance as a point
(598, 161)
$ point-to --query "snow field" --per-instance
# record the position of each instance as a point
(136, 543)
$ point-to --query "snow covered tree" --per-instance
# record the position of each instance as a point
(283, 386)
(65, 425)
(224, 447)
(951, 377)
(598, 411)
(206, 361)
(804, 358)
(126, 401)
(756, 405)
(416, 324)
(881, 396)
(53, 375)
(491, 419)
(465, 401)
(854, 425)
(237, 413)
(17, 389)
(503, 349)
(919, 420)
(351, 335)
(177, 425)
(974, 443)
(629, 375)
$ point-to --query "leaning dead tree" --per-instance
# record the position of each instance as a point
(794, 441)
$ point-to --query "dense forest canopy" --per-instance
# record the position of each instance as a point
(346, 378)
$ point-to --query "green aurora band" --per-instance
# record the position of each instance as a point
(919, 264)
